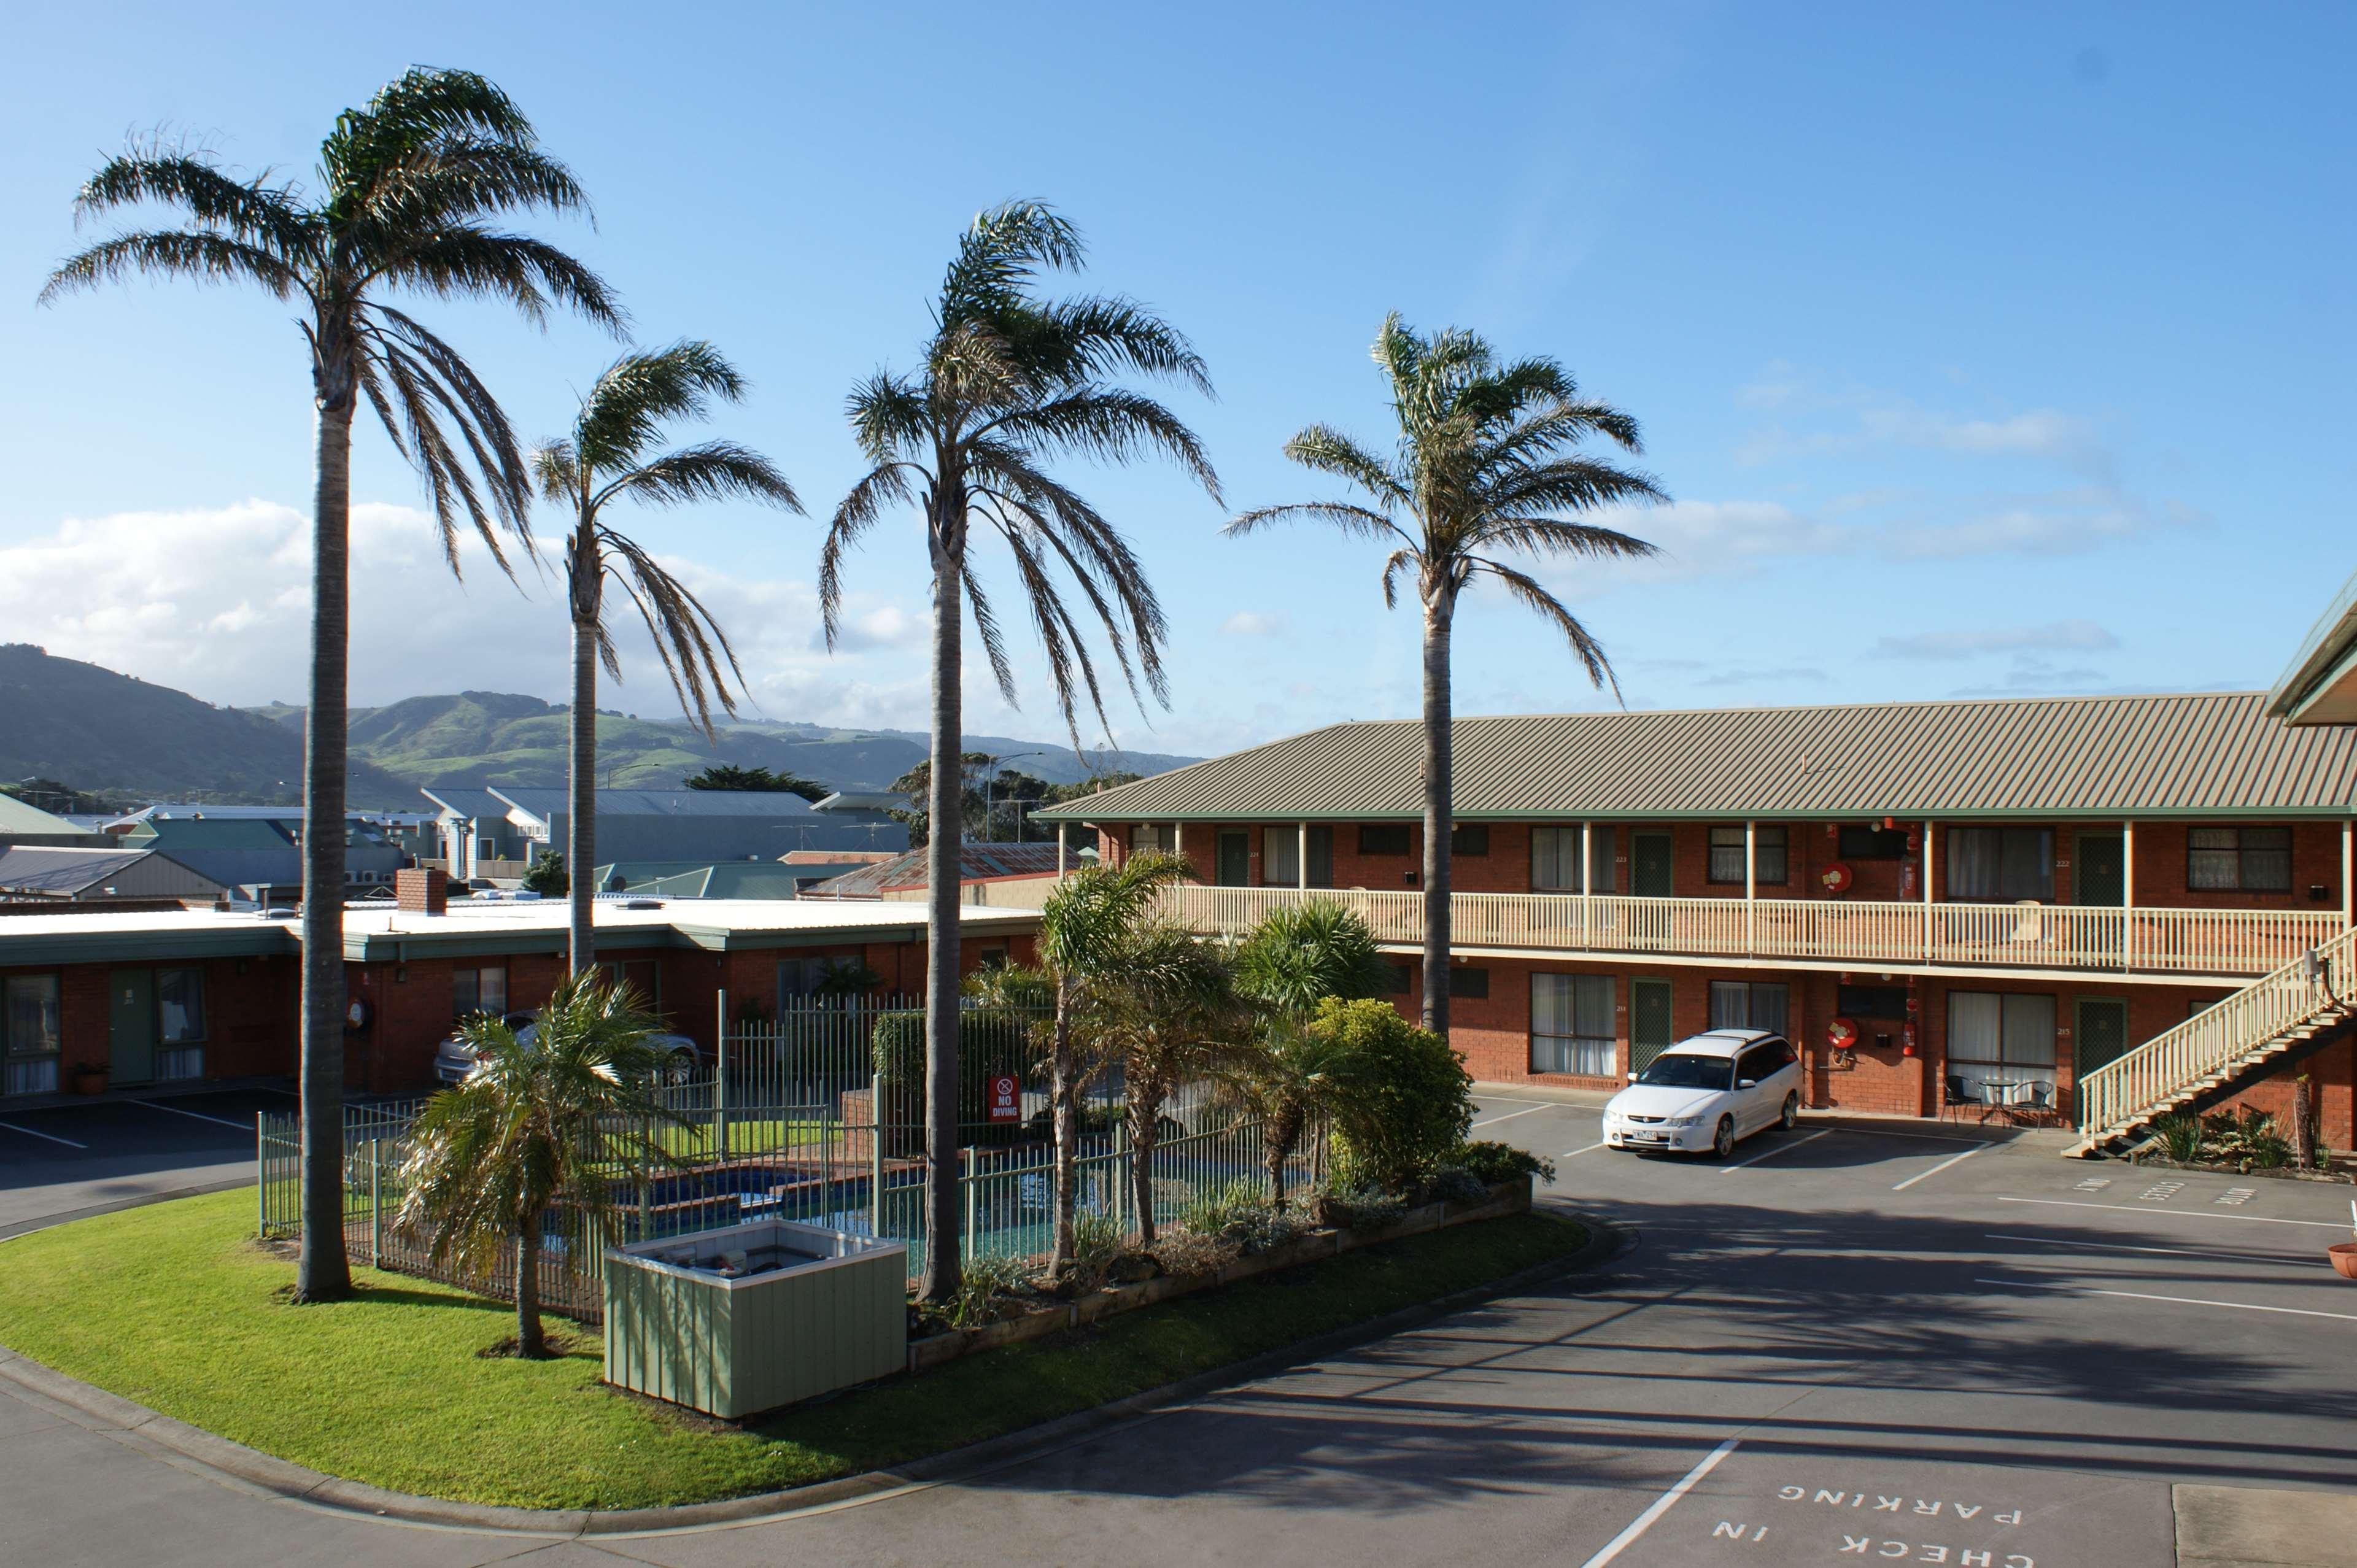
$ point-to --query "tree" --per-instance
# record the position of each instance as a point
(608, 457)
(917, 784)
(1172, 1013)
(1405, 1100)
(1088, 945)
(729, 776)
(570, 1117)
(1009, 383)
(547, 876)
(1486, 467)
(410, 186)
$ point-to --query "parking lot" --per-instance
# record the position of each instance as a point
(84, 1156)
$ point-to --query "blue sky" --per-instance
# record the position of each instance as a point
(1988, 350)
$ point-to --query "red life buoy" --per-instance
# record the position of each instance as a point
(1841, 1034)
(1836, 878)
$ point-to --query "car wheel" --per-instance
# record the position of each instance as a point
(1791, 1116)
(1722, 1143)
(680, 1067)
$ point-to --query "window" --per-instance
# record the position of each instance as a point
(2000, 865)
(1386, 839)
(1469, 838)
(1771, 864)
(1871, 1002)
(1872, 843)
(1753, 1005)
(1464, 981)
(2238, 860)
(179, 1023)
(482, 989)
(1571, 1027)
(1761, 1062)
(1403, 979)
(1280, 858)
(2005, 1040)
(30, 1020)
(1554, 860)
(1152, 838)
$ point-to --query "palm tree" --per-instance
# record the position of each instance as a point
(607, 459)
(1296, 957)
(1088, 945)
(1009, 383)
(570, 1118)
(1172, 1015)
(410, 188)
(1485, 466)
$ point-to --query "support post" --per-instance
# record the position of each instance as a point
(261, 1179)
(2348, 864)
(1587, 879)
(1178, 840)
(875, 1154)
(1751, 881)
(969, 1179)
(1125, 1195)
(376, 1203)
(2127, 895)
(1927, 891)
(720, 1078)
(1060, 852)
(1301, 858)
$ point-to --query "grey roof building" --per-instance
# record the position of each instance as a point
(510, 824)
(82, 875)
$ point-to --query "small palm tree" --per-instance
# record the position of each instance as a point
(607, 459)
(411, 188)
(1296, 958)
(1010, 383)
(1486, 468)
(570, 1118)
(1089, 932)
(1172, 1015)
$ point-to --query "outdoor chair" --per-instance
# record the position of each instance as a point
(1957, 1095)
(2038, 1104)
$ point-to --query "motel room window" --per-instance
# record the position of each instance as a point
(1773, 866)
(1403, 979)
(1871, 843)
(1469, 838)
(1999, 1042)
(1466, 981)
(30, 1018)
(479, 988)
(1748, 1005)
(1571, 1027)
(181, 1023)
(1887, 1002)
(2238, 860)
(2001, 865)
(1280, 857)
(1554, 860)
(1152, 838)
(1386, 839)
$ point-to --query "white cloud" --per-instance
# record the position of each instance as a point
(2063, 522)
(2055, 635)
(1700, 539)
(887, 626)
(1255, 623)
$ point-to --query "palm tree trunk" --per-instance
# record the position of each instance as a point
(1276, 1147)
(531, 1344)
(581, 793)
(942, 863)
(322, 1271)
(1439, 809)
(1064, 1105)
(1144, 1119)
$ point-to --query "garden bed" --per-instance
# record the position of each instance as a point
(2340, 1172)
(174, 1306)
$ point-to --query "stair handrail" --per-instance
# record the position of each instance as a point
(2117, 1095)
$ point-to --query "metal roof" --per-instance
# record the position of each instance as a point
(979, 861)
(2205, 754)
(26, 868)
(549, 804)
(15, 817)
(2320, 685)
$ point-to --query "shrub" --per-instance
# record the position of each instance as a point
(1404, 1100)
(1097, 1241)
(1239, 1215)
(987, 1290)
(1190, 1254)
(1454, 1184)
(1491, 1162)
(2181, 1137)
(1362, 1208)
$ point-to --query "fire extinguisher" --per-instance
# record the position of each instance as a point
(1907, 1039)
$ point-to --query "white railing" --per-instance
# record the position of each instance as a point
(2116, 1096)
(2048, 936)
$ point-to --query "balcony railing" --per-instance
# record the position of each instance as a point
(2049, 935)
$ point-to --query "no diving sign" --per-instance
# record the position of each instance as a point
(1006, 1099)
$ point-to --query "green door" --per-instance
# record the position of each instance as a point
(1649, 866)
(1650, 1030)
(2103, 876)
(130, 1025)
(1321, 857)
(2102, 1032)
(1235, 858)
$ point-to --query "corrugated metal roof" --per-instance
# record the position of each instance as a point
(27, 868)
(2195, 754)
(15, 817)
(978, 860)
(549, 804)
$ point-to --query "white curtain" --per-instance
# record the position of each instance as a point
(1573, 1026)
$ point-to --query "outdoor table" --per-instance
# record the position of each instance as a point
(2001, 1107)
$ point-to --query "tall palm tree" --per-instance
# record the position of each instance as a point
(1486, 467)
(607, 459)
(410, 191)
(1088, 945)
(572, 1116)
(1010, 383)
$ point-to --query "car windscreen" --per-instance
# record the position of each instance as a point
(1689, 1072)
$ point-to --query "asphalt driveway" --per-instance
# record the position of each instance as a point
(86, 1156)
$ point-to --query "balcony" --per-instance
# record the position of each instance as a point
(2004, 936)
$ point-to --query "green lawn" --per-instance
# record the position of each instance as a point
(173, 1306)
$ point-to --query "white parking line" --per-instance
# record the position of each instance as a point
(1943, 1164)
(1771, 1153)
(1509, 1116)
(2077, 1245)
(52, 1137)
(2174, 1300)
(2180, 1213)
(1662, 1505)
(1568, 1153)
(216, 1121)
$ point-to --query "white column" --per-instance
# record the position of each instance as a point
(1301, 859)
(2127, 895)
(1927, 891)
(1178, 840)
(1750, 879)
(2348, 865)
(1060, 852)
(1587, 878)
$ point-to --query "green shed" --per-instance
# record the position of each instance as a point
(748, 1318)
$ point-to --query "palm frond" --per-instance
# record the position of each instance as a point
(173, 253)
(1108, 424)
(466, 260)
(1533, 596)
(854, 516)
(255, 213)
(1351, 520)
(688, 641)
(1326, 450)
(1105, 335)
(716, 470)
(627, 405)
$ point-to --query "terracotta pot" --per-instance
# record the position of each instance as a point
(2345, 1258)
(89, 1083)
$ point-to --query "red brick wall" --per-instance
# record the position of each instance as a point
(250, 1013)
(2160, 870)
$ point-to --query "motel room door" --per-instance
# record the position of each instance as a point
(2101, 1035)
(1650, 864)
(1235, 858)
(1650, 1031)
(2102, 877)
(130, 1025)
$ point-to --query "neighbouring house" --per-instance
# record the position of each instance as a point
(24, 824)
(697, 878)
(258, 849)
(31, 872)
(1986, 901)
(492, 834)
(1009, 874)
(181, 994)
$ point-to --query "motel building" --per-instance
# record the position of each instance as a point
(174, 996)
(1947, 906)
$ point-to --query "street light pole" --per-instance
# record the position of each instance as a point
(989, 783)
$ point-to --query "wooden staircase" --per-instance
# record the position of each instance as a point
(2267, 1025)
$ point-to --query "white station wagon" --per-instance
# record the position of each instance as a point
(1708, 1091)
